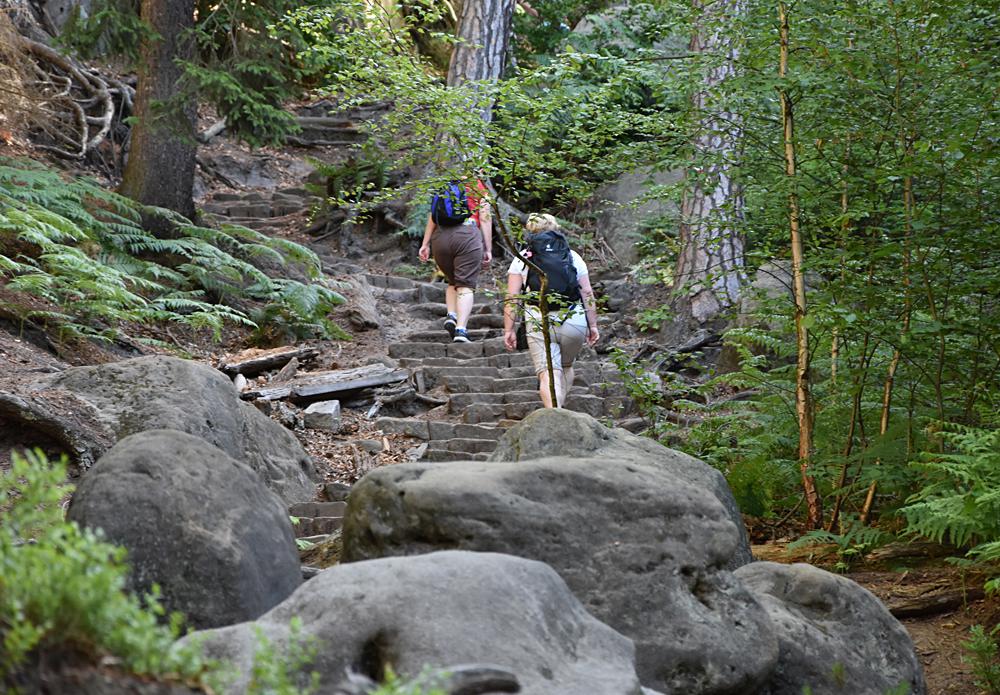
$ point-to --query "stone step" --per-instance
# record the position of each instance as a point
(397, 296)
(441, 456)
(436, 429)
(392, 282)
(317, 525)
(501, 361)
(468, 446)
(442, 336)
(594, 406)
(305, 509)
(432, 310)
(477, 348)
(458, 402)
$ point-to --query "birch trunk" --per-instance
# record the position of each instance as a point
(803, 396)
(709, 271)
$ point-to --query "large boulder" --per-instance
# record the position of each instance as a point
(161, 392)
(626, 212)
(441, 610)
(639, 545)
(835, 636)
(559, 432)
(195, 521)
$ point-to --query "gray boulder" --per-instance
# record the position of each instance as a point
(625, 213)
(441, 610)
(835, 636)
(642, 548)
(195, 521)
(160, 392)
(558, 432)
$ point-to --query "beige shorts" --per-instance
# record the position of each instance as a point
(567, 340)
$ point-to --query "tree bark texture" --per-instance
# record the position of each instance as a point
(709, 269)
(803, 396)
(161, 161)
(484, 39)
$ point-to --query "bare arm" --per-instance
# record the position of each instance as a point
(590, 306)
(486, 221)
(425, 245)
(514, 284)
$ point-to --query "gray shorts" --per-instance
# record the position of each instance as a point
(567, 340)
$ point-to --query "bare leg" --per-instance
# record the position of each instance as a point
(567, 384)
(465, 298)
(451, 298)
(543, 388)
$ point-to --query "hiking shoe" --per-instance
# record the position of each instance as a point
(450, 323)
(461, 336)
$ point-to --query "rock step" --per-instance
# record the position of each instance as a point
(317, 525)
(433, 310)
(466, 446)
(432, 429)
(441, 455)
(459, 401)
(594, 406)
(501, 360)
(443, 336)
(477, 348)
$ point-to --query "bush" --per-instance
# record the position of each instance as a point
(63, 587)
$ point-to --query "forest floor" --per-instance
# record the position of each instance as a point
(26, 353)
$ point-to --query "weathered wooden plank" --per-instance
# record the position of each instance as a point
(312, 385)
(330, 387)
(257, 361)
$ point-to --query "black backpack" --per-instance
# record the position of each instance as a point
(449, 206)
(550, 252)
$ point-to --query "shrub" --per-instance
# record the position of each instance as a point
(64, 587)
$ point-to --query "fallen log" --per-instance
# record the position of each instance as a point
(934, 603)
(250, 362)
(316, 385)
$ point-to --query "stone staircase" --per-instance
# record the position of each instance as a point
(486, 388)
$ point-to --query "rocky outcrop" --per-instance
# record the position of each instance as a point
(441, 610)
(625, 216)
(639, 545)
(160, 392)
(835, 636)
(196, 522)
(565, 433)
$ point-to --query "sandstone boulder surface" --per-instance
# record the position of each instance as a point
(441, 610)
(559, 432)
(835, 636)
(161, 392)
(640, 546)
(196, 522)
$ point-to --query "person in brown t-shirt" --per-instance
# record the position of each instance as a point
(461, 251)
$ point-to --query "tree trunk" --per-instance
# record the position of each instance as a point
(803, 396)
(161, 161)
(481, 54)
(709, 269)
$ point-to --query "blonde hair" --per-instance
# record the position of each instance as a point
(540, 222)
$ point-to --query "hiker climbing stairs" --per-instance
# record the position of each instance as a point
(486, 388)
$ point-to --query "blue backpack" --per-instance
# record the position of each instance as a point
(449, 206)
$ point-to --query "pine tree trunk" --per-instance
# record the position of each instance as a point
(709, 269)
(484, 38)
(161, 161)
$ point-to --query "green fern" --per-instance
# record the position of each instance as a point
(84, 250)
(960, 500)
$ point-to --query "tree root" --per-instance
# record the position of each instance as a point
(73, 107)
